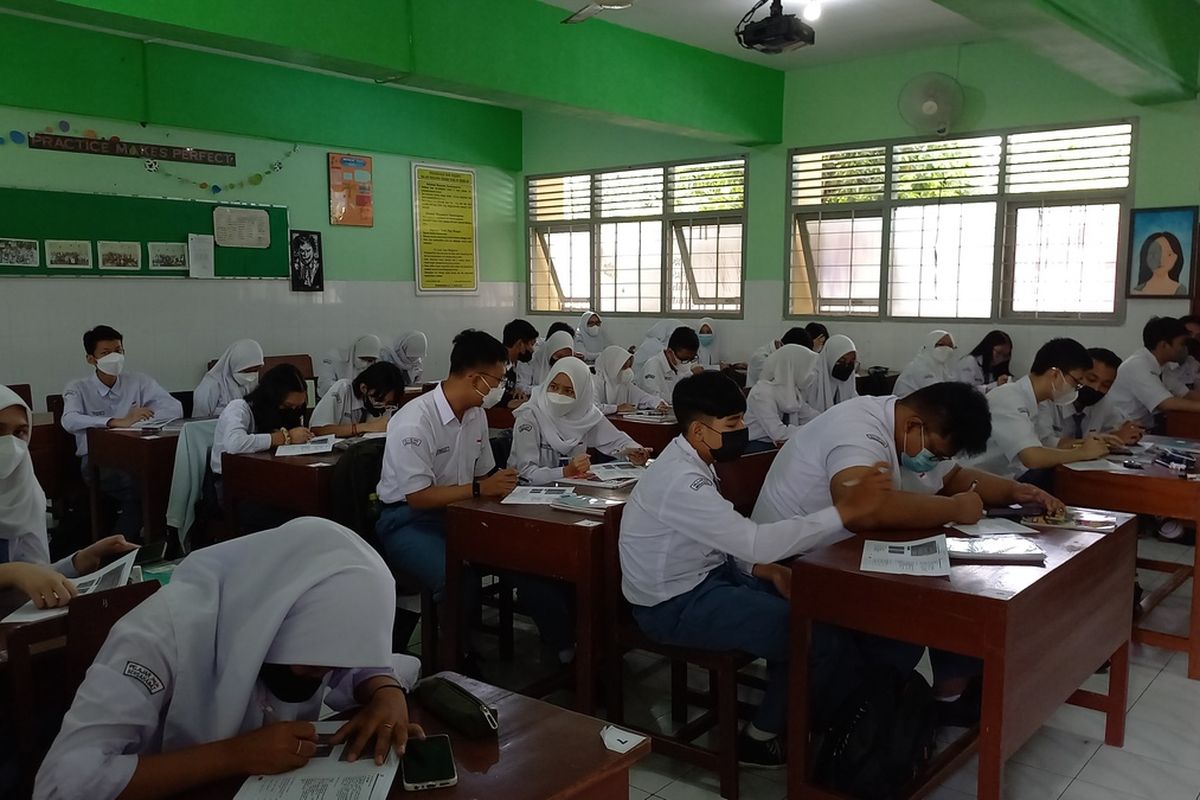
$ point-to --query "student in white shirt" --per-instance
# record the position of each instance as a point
(590, 338)
(1189, 370)
(1023, 444)
(775, 406)
(935, 362)
(560, 423)
(616, 393)
(819, 334)
(234, 374)
(698, 574)
(678, 359)
(758, 359)
(654, 342)
(1138, 393)
(337, 364)
(24, 543)
(364, 405)
(408, 353)
(520, 341)
(1092, 414)
(709, 354)
(218, 675)
(832, 380)
(559, 344)
(986, 366)
(114, 398)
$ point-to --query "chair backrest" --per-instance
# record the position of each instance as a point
(24, 392)
(185, 400)
(742, 480)
(301, 361)
(355, 478)
(67, 463)
(615, 605)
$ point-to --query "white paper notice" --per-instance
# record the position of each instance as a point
(325, 776)
(927, 557)
(200, 256)
(314, 447)
(114, 575)
(242, 227)
(994, 527)
(536, 495)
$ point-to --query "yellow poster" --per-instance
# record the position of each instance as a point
(444, 229)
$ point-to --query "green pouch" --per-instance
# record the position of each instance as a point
(458, 708)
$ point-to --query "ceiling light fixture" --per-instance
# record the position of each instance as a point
(812, 11)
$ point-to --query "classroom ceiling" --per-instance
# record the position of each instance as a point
(847, 29)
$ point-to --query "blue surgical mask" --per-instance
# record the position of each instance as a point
(706, 339)
(922, 462)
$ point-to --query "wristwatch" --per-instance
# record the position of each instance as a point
(475, 488)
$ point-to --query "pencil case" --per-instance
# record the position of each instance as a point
(457, 707)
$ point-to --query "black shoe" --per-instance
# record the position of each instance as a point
(767, 754)
(963, 712)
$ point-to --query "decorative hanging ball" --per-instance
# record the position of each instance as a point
(204, 185)
(16, 137)
(216, 189)
(151, 165)
(276, 166)
(256, 179)
(64, 126)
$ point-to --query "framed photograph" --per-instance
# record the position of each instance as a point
(167, 255)
(351, 189)
(123, 256)
(20, 253)
(68, 254)
(1162, 252)
(307, 263)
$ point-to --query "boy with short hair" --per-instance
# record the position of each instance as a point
(662, 370)
(1092, 414)
(1140, 390)
(520, 339)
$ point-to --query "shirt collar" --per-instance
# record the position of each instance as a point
(1026, 388)
(101, 389)
(445, 412)
(1155, 367)
(690, 452)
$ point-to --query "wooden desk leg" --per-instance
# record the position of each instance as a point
(1118, 697)
(585, 644)
(798, 722)
(991, 755)
(95, 502)
(453, 617)
(1193, 643)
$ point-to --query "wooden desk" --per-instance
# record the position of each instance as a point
(149, 458)
(1160, 493)
(298, 484)
(542, 752)
(647, 434)
(1183, 424)
(1039, 631)
(536, 540)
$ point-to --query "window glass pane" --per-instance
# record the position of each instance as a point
(560, 269)
(709, 186)
(706, 265)
(559, 197)
(941, 260)
(630, 267)
(836, 264)
(951, 168)
(1069, 160)
(1065, 258)
(630, 193)
(838, 176)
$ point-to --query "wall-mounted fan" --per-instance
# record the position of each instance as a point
(931, 103)
(592, 9)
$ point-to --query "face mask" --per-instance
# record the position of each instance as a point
(1066, 396)
(707, 339)
(111, 364)
(287, 685)
(492, 397)
(525, 357)
(363, 363)
(942, 354)
(842, 372)
(733, 444)
(999, 368)
(1089, 396)
(922, 462)
(12, 453)
(560, 404)
(593, 330)
(246, 380)
(625, 376)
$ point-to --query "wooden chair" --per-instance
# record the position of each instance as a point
(186, 400)
(67, 482)
(71, 643)
(24, 392)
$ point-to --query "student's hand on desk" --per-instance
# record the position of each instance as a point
(1028, 493)
(1001, 380)
(89, 558)
(303, 435)
(696, 370)
(664, 407)
(275, 748)
(578, 466)
(865, 495)
(1093, 447)
(1130, 432)
(638, 455)
(499, 484)
(968, 507)
(779, 576)
(384, 719)
(45, 587)
(373, 425)
(625, 408)
(135, 415)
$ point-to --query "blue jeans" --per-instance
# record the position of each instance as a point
(730, 610)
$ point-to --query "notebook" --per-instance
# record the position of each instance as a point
(1004, 549)
(585, 504)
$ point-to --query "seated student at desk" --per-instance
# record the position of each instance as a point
(559, 344)
(339, 364)
(832, 380)
(758, 359)
(408, 353)
(113, 398)
(987, 365)
(221, 672)
(615, 390)
(1092, 413)
(520, 340)
(24, 543)
(698, 574)
(1139, 392)
(590, 338)
(775, 406)
(663, 368)
(234, 374)
(1023, 444)
(363, 405)
(560, 423)
(935, 362)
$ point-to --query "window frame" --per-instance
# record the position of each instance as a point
(1003, 254)
(667, 220)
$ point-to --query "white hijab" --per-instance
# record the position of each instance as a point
(368, 346)
(925, 364)
(240, 355)
(408, 351)
(566, 431)
(786, 371)
(822, 391)
(608, 372)
(655, 341)
(559, 340)
(309, 592)
(22, 501)
(708, 354)
(590, 341)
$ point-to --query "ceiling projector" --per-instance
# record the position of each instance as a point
(776, 33)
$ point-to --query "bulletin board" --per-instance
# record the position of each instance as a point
(30, 214)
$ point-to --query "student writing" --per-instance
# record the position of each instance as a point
(832, 380)
(615, 389)
(775, 406)
(408, 353)
(363, 405)
(235, 373)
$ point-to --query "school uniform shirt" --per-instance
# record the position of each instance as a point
(1178, 378)
(758, 360)
(221, 385)
(612, 390)
(970, 370)
(1074, 423)
(340, 406)
(658, 377)
(771, 416)
(677, 528)
(1139, 389)
(428, 446)
(88, 403)
(235, 433)
(408, 353)
(1019, 421)
(856, 433)
(822, 391)
(926, 368)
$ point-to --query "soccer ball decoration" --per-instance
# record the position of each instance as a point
(151, 165)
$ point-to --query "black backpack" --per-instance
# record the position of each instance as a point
(880, 738)
(353, 485)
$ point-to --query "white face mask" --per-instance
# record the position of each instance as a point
(12, 453)
(942, 354)
(560, 404)
(1067, 395)
(592, 330)
(363, 363)
(111, 364)
(625, 376)
(493, 396)
(247, 380)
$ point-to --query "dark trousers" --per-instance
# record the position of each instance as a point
(124, 491)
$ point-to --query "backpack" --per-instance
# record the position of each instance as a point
(355, 479)
(880, 738)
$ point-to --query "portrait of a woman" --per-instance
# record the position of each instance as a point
(1160, 264)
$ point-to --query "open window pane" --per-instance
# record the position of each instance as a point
(1065, 259)
(836, 264)
(630, 268)
(706, 265)
(560, 269)
(941, 260)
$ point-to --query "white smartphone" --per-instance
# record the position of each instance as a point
(428, 764)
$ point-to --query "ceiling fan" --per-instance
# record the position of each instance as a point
(592, 9)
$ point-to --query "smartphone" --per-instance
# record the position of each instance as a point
(428, 764)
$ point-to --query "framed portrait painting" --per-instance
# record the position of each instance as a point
(1162, 252)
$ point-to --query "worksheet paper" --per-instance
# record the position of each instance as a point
(536, 495)
(927, 557)
(994, 527)
(326, 776)
(201, 256)
(110, 577)
(314, 447)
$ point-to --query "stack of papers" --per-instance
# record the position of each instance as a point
(652, 417)
(314, 447)
(585, 504)
(536, 495)
(993, 527)
(924, 557)
(114, 575)
(1006, 549)
(614, 475)
(326, 776)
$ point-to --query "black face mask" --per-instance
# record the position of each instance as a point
(287, 685)
(841, 372)
(998, 369)
(733, 444)
(1088, 396)
(525, 357)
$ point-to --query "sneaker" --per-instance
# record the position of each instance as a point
(766, 754)
(1172, 530)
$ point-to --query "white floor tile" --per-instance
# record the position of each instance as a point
(1054, 750)
(1080, 790)
(656, 771)
(637, 794)
(1172, 702)
(1140, 678)
(1154, 740)
(1142, 777)
(1148, 656)
(1021, 782)
(704, 785)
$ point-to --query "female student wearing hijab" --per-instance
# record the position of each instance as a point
(408, 353)
(833, 381)
(234, 374)
(558, 345)
(775, 407)
(554, 430)
(590, 339)
(363, 405)
(708, 356)
(987, 365)
(934, 363)
(363, 353)
(614, 387)
(24, 546)
(269, 416)
(219, 673)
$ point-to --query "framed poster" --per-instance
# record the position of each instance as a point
(307, 262)
(120, 255)
(1162, 252)
(445, 230)
(351, 190)
(68, 254)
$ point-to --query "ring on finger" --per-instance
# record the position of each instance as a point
(387, 725)
(299, 744)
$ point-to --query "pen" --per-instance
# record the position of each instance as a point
(973, 486)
